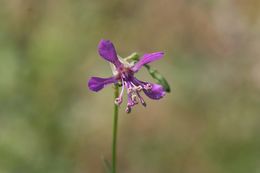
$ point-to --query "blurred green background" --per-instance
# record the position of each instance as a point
(51, 123)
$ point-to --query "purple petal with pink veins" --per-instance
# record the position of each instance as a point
(107, 50)
(97, 83)
(147, 58)
(157, 92)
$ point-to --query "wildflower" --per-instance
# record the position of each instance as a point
(123, 73)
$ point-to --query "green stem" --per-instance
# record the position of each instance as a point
(115, 131)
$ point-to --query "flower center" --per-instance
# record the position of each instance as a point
(133, 87)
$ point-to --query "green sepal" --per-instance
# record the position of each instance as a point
(134, 57)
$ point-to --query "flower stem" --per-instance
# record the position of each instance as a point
(115, 131)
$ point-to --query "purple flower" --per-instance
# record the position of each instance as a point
(124, 74)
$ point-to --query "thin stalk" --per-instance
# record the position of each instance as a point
(115, 131)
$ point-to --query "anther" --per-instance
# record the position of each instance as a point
(141, 99)
(129, 90)
(143, 102)
(148, 86)
(128, 109)
(134, 98)
(138, 88)
(118, 101)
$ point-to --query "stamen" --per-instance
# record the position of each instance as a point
(144, 85)
(141, 99)
(122, 91)
(118, 101)
(128, 109)
(134, 99)
(148, 86)
(139, 88)
(129, 99)
(131, 83)
(129, 90)
(132, 94)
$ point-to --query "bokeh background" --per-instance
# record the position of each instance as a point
(50, 121)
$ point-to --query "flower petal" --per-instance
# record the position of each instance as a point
(107, 50)
(157, 92)
(147, 58)
(97, 83)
